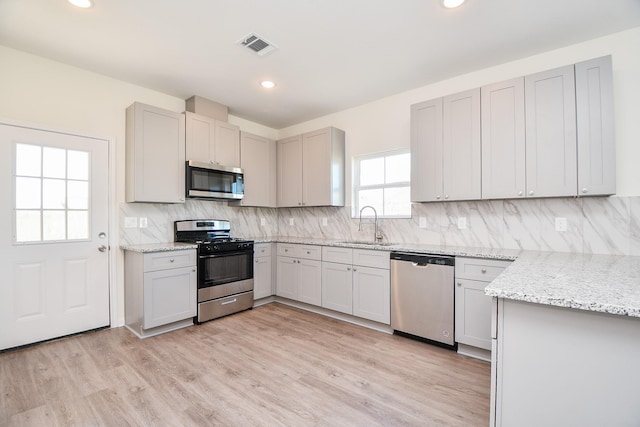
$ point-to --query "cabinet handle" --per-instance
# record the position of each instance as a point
(286, 250)
(531, 193)
(194, 270)
(446, 196)
(171, 260)
(459, 283)
(584, 190)
(229, 302)
(438, 197)
(484, 270)
(348, 268)
(520, 193)
(355, 269)
(308, 253)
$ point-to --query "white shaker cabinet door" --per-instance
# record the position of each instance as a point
(426, 151)
(550, 116)
(169, 296)
(289, 164)
(596, 139)
(461, 146)
(372, 294)
(503, 140)
(337, 287)
(287, 278)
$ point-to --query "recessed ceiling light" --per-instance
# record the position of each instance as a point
(81, 3)
(452, 3)
(267, 84)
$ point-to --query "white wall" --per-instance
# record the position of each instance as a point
(384, 124)
(42, 92)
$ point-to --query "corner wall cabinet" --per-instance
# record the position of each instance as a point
(258, 161)
(160, 291)
(311, 169)
(549, 134)
(212, 141)
(155, 150)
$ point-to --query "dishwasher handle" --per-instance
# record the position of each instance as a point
(422, 260)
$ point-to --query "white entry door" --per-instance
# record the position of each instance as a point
(54, 263)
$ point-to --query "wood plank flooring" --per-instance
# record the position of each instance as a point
(270, 366)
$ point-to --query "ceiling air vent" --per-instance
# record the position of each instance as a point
(257, 44)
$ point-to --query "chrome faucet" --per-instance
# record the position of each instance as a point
(377, 235)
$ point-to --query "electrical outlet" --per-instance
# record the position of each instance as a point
(143, 222)
(291, 221)
(423, 222)
(324, 222)
(561, 224)
(263, 222)
(462, 223)
(130, 222)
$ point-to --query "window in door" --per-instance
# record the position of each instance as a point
(51, 194)
(383, 181)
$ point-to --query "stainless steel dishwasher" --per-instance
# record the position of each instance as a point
(422, 296)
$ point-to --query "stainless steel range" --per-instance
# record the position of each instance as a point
(225, 267)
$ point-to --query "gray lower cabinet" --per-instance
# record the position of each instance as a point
(160, 291)
(472, 306)
(262, 271)
(299, 273)
(357, 282)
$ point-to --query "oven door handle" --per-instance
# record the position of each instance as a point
(223, 254)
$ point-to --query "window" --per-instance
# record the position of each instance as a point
(51, 194)
(383, 181)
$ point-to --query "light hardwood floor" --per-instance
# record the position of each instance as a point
(270, 366)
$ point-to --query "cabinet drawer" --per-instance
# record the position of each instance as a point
(262, 249)
(479, 269)
(371, 258)
(337, 254)
(300, 251)
(154, 261)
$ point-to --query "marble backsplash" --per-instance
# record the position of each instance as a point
(603, 225)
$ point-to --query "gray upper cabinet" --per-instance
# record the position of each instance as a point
(289, 171)
(596, 140)
(155, 150)
(212, 141)
(461, 151)
(445, 148)
(550, 117)
(426, 151)
(311, 169)
(258, 161)
(503, 140)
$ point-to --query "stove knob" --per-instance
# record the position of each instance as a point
(239, 245)
(215, 248)
(245, 245)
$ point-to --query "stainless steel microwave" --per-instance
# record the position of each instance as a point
(209, 181)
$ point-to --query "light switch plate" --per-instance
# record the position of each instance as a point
(423, 222)
(561, 224)
(291, 221)
(263, 222)
(324, 222)
(130, 222)
(143, 222)
(462, 223)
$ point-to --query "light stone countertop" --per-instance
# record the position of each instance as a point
(601, 283)
(159, 247)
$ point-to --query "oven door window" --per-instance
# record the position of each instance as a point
(224, 268)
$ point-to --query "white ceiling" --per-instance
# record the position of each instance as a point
(333, 54)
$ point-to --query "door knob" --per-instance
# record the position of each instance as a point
(102, 235)
(102, 248)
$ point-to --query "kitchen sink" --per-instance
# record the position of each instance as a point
(362, 242)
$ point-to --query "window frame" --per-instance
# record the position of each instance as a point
(356, 188)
